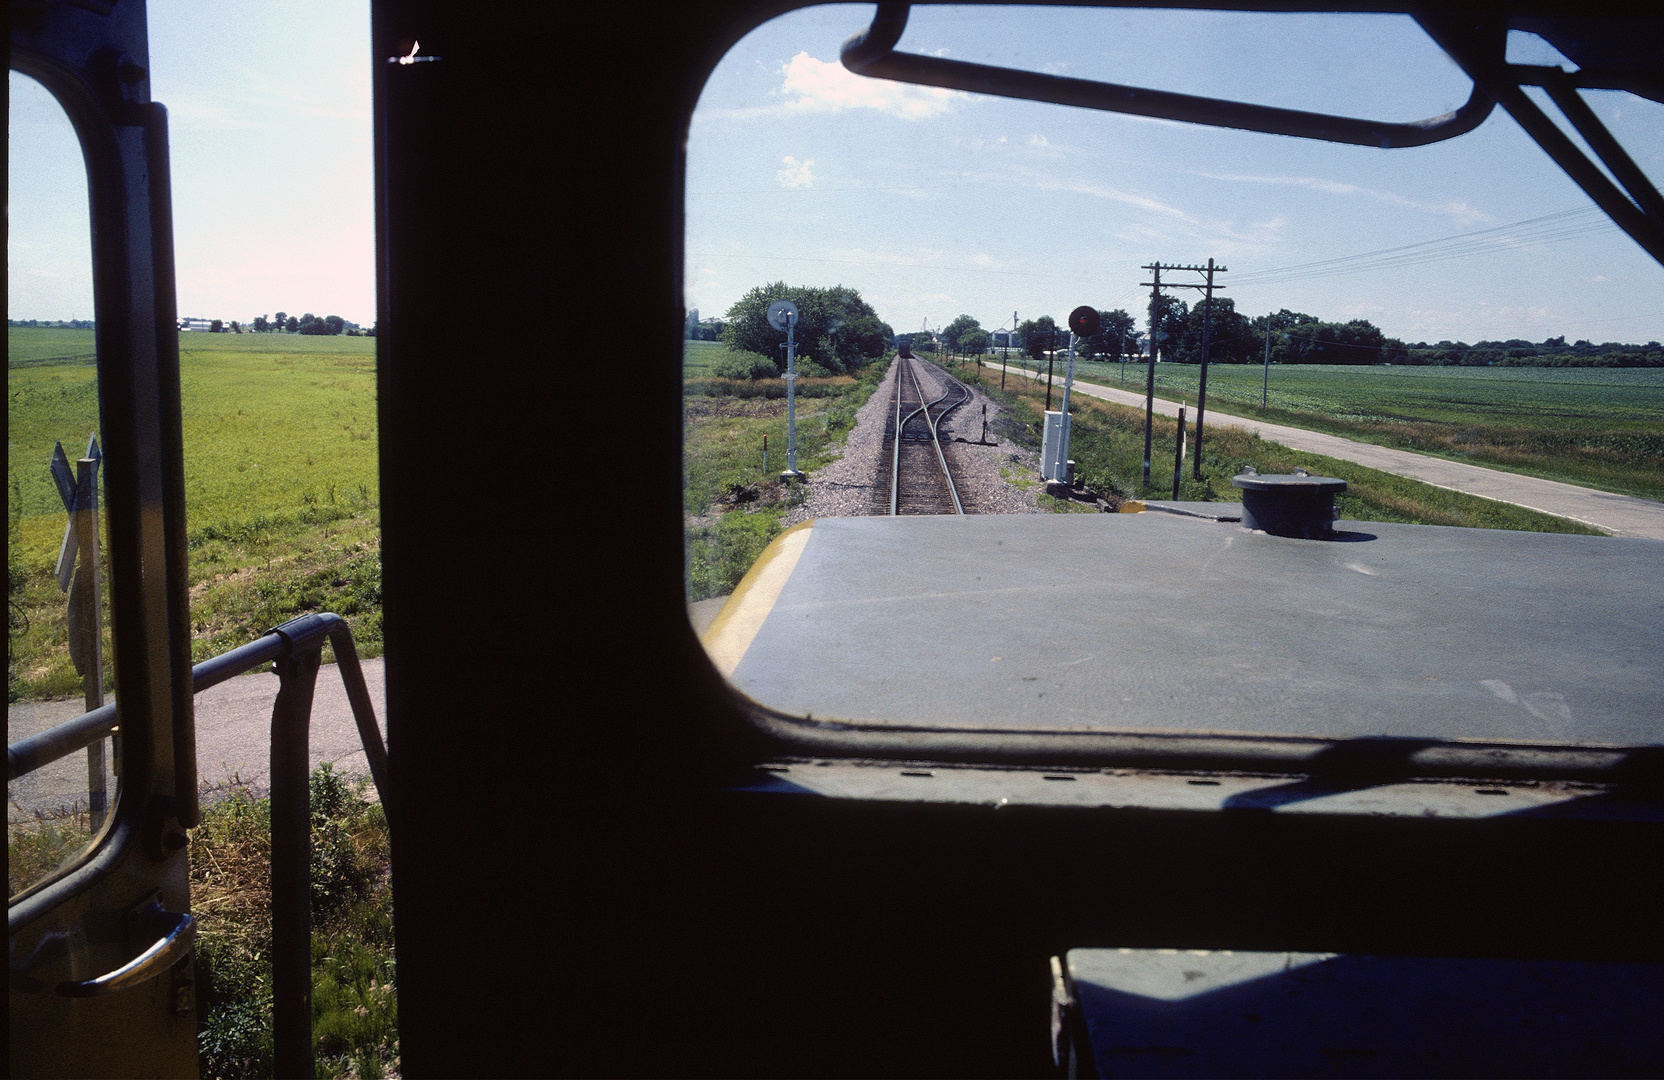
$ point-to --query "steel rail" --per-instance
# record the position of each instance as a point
(901, 423)
(936, 438)
(895, 455)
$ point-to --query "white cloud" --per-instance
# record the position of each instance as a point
(1598, 278)
(1039, 140)
(817, 86)
(982, 258)
(796, 174)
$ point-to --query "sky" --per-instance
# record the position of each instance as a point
(269, 134)
(934, 203)
(931, 203)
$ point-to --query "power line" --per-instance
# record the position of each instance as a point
(1550, 228)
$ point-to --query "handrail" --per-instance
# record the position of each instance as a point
(59, 741)
(872, 52)
(296, 648)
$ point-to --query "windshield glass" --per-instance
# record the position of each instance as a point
(1452, 330)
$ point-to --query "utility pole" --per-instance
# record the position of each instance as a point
(1207, 322)
(1265, 391)
(1202, 391)
(1150, 383)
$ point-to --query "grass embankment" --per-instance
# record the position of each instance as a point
(733, 504)
(1597, 427)
(1107, 444)
(280, 486)
(354, 1008)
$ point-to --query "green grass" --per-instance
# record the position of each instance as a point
(36, 848)
(1107, 444)
(280, 485)
(1600, 427)
(733, 505)
(698, 356)
(354, 1008)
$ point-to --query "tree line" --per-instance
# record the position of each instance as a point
(1295, 338)
(306, 324)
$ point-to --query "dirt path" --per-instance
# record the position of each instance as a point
(1620, 515)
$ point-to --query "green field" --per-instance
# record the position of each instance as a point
(1599, 427)
(280, 484)
(698, 356)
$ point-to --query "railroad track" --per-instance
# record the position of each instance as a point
(921, 480)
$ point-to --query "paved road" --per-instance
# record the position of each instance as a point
(233, 736)
(1620, 515)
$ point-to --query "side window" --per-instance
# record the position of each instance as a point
(58, 655)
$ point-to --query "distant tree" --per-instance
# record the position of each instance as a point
(1233, 339)
(281, 322)
(1354, 342)
(292, 324)
(861, 339)
(1172, 316)
(974, 342)
(957, 329)
(835, 328)
(1114, 328)
(1043, 325)
(260, 324)
(1288, 320)
(236, 327)
(336, 323)
(216, 327)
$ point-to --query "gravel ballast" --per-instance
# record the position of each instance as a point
(999, 477)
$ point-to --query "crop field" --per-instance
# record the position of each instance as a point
(1599, 427)
(280, 484)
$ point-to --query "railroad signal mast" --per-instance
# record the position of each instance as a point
(1054, 448)
(1157, 336)
(782, 315)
